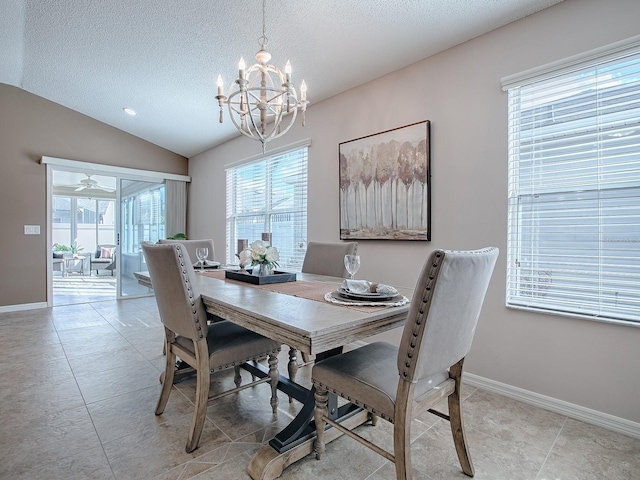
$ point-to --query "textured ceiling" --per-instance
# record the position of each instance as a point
(161, 57)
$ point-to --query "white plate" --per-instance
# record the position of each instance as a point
(209, 264)
(370, 296)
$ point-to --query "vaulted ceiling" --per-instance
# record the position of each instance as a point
(161, 57)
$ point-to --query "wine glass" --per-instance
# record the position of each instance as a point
(202, 253)
(352, 264)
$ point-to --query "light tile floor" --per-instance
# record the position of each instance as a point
(91, 287)
(79, 383)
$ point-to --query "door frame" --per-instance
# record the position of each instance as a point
(52, 163)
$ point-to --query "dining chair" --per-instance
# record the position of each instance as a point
(192, 245)
(396, 382)
(207, 348)
(321, 258)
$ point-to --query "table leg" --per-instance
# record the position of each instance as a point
(295, 441)
(267, 463)
(292, 367)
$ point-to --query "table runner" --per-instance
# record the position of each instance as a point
(300, 288)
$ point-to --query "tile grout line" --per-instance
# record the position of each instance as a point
(553, 444)
(84, 401)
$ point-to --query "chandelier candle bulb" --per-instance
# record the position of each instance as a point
(287, 71)
(303, 91)
(241, 67)
(220, 85)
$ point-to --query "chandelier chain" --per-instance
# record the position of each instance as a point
(263, 40)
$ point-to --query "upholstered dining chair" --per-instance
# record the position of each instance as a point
(394, 382)
(206, 348)
(322, 258)
(192, 245)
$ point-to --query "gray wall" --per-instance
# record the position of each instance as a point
(30, 128)
(591, 364)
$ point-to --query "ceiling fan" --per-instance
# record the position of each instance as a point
(87, 185)
(90, 184)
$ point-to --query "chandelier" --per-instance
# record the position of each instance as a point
(263, 103)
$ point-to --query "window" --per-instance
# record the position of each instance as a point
(90, 224)
(143, 208)
(270, 195)
(574, 190)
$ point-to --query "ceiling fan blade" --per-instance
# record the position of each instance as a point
(80, 188)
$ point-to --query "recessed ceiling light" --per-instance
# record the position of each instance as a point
(130, 111)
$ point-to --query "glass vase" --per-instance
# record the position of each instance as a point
(265, 269)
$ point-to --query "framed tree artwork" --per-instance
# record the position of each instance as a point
(385, 185)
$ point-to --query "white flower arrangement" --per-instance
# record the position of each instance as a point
(260, 253)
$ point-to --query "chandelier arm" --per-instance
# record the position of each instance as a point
(246, 133)
(254, 96)
(256, 130)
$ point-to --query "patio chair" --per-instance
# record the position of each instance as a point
(103, 258)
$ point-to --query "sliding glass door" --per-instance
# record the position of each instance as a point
(142, 218)
(97, 217)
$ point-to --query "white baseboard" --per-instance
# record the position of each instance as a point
(584, 414)
(587, 415)
(24, 306)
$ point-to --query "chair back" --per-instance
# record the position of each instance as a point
(192, 245)
(177, 295)
(328, 258)
(444, 311)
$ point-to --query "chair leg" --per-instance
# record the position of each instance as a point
(374, 419)
(402, 449)
(237, 379)
(274, 375)
(321, 396)
(202, 395)
(292, 367)
(402, 431)
(456, 422)
(167, 381)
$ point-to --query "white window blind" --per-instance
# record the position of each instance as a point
(269, 195)
(574, 191)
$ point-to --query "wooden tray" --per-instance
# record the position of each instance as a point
(277, 277)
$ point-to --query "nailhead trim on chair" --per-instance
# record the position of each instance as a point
(187, 283)
(354, 401)
(417, 330)
(427, 295)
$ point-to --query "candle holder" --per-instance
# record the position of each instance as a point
(243, 244)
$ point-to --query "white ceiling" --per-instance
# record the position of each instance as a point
(161, 57)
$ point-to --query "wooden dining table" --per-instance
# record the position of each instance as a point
(296, 314)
